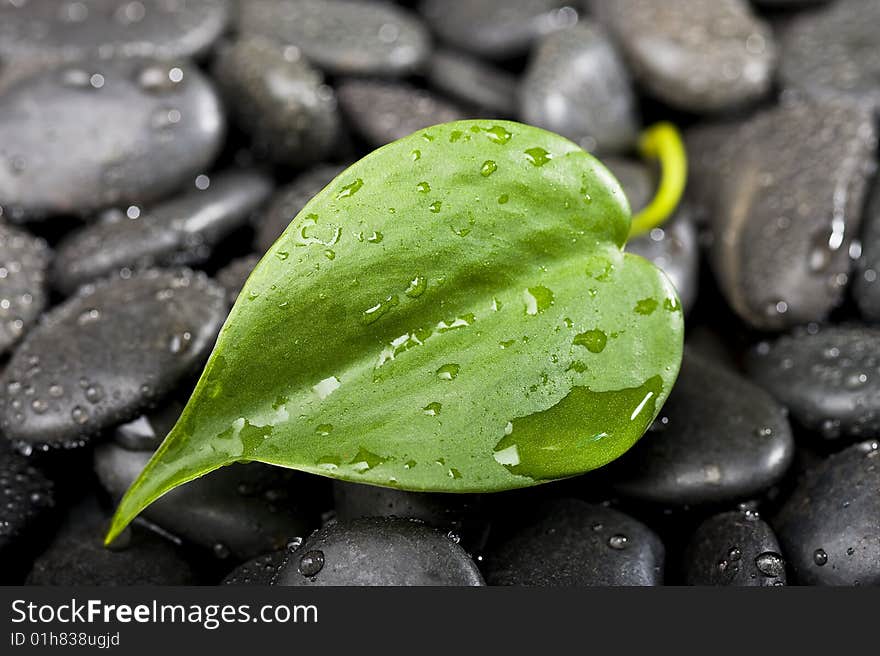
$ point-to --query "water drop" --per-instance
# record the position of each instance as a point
(350, 189)
(489, 167)
(311, 563)
(448, 371)
(820, 557)
(593, 340)
(537, 156)
(618, 541)
(770, 564)
(432, 409)
(423, 188)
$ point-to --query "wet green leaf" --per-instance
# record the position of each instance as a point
(495, 336)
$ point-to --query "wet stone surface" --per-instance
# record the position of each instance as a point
(111, 132)
(719, 438)
(577, 85)
(278, 99)
(496, 29)
(473, 81)
(289, 200)
(181, 231)
(24, 260)
(106, 354)
(788, 189)
(865, 284)
(569, 542)
(834, 51)
(109, 28)
(342, 36)
(378, 552)
(734, 549)
(828, 378)
(695, 55)
(383, 112)
(828, 526)
(77, 555)
(237, 512)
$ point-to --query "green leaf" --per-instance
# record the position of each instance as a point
(452, 313)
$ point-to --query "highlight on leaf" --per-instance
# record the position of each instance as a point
(453, 313)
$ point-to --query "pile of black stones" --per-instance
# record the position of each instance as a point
(152, 150)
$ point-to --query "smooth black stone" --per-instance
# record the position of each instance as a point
(289, 200)
(462, 515)
(77, 555)
(25, 497)
(383, 112)
(103, 356)
(674, 248)
(178, 232)
(834, 51)
(24, 262)
(829, 525)
(257, 571)
(569, 542)
(378, 552)
(109, 132)
(473, 81)
(343, 37)
(828, 378)
(718, 438)
(233, 276)
(110, 28)
(782, 222)
(147, 431)
(238, 512)
(577, 85)
(694, 55)
(866, 277)
(279, 100)
(496, 29)
(734, 549)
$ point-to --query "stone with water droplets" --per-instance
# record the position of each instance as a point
(462, 515)
(77, 555)
(734, 549)
(785, 202)
(24, 261)
(694, 55)
(257, 571)
(834, 51)
(828, 378)
(383, 112)
(109, 132)
(106, 354)
(472, 81)
(109, 28)
(866, 277)
(289, 200)
(496, 28)
(829, 524)
(577, 85)
(674, 249)
(342, 36)
(26, 496)
(238, 512)
(180, 231)
(569, 542)
(718, 438)
(279, 100)
(378, 552)
(233, 276)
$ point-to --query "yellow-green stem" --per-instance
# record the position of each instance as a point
(663, 143)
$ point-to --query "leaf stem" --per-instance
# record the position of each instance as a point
(662, 142)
